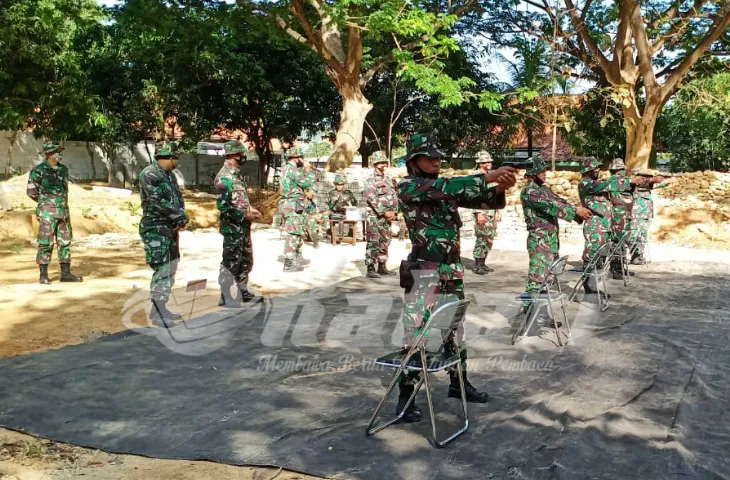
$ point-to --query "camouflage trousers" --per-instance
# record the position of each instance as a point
(620, 226)
(294, 230)
(639, 235)
(162, 254)
(312, 227)
(596, 233)
(485, 239)
(49, 229)
(542, 247)
(435, 284)
(237, 260)
(378, 240)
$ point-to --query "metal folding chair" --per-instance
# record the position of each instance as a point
(598, 269)
(550, 291)
(618, 252)
(447, 318)
(638, 242)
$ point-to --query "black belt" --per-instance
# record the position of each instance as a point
(423, 254)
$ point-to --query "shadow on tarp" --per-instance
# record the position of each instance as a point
(642, 393)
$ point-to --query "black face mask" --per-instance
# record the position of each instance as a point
(539, 181)
(300, 163)
(415, 172)
(594, 174)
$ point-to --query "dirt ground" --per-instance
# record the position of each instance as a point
(29, 324)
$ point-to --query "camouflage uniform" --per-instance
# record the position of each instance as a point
(484, 234)
(542, 208)
(312, 226)
(233, 205)
(48, 186)
(642, 212)
(595, 196)
(294, 182)
(338, 200)
(621, 210)
(381, 197)
(430, 207)
(163, 213)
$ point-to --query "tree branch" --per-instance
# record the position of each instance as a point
(587, 40)
(643, 47)
(294, 34)
(678, 27)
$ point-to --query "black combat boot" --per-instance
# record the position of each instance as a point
(589, 286)
(44, 274)
(412, 414)
(372, 273)
(383, 270)
(161, 316)
(638, 259)
(616, 270)
(290, 266)
(244, 296)
(227, 300)
(67, 276)
(472, 394)
(486, 267)
(479, 266)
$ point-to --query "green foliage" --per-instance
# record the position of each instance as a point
(605, 138)
(695, 127)
(319, 149)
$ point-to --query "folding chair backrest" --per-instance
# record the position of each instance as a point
(602, 253)
(558, 266)
(448, 316)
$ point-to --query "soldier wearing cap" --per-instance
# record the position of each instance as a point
(542, 208)
(642, 212)
(485, 222)
(48, 186)
(163, 217)
(433, 273)
(235, 218)
(382, 201)
(296, 177)
(621, 205)
(595, 195)
(338, 199)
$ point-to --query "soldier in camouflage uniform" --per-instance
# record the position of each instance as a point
(314, 219)
(234, 223)
(48, 186)
(296, 177)
(163, 217)
(621, 205)
(382, 201)
(485, 223)
(338, 199)
(642, 212)
(430, 206)
(595, 195)
(542, 208)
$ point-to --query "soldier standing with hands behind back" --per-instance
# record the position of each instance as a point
(296, 177)
(382, 201)
(48, 185)
(236, 216)
(163, 217)
(430, 206)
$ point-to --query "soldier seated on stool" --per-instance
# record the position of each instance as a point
(337, 200)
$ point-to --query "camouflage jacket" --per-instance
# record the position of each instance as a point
(162, 202)
(595, 195)
(310, 207)
(380, 194)
(49, 187)
(490, 214)
(643, 206)
(291, 190)
(431, 208)
(337, 201)
(621, 201)
(542, 207)
(232, 201)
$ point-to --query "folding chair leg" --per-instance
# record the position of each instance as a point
(604, 306)
(576, 288)
(555, 323)
(530, 315)
(460, 373)
(370, 430)
(565, 317)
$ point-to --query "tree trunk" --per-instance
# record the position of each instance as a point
(90, 151)
(529, 142)
(640, 134)
(13, 137)
(355, 107)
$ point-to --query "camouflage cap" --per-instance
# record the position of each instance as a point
(295, 152)
(420, 144)
(590, 164)
(378, 157)
(51, 147)
(617, 164)
(234, 146)
(339, 179)
(164, 149)
(538, 166)
(484, 157)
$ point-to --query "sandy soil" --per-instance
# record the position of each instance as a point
(30, 323)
